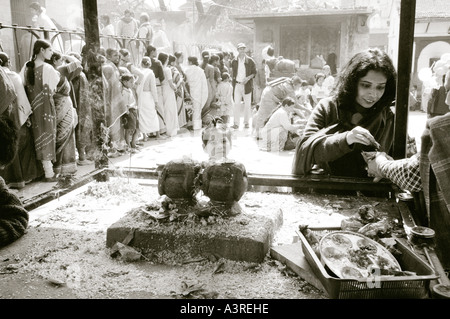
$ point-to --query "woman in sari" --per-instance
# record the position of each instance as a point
(40, 80)
(125, 61)
(357, 118)
(66, 116)
(82, 104)
(198, 90)
(169, 100)
(178, 81)
(147, 98)
(115, 104)
(25, 167)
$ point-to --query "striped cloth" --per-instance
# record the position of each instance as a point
(405, 173)
(435, 172)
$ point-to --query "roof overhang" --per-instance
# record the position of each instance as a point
(249, 19)
(432, 19)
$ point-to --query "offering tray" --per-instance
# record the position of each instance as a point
(352, 255)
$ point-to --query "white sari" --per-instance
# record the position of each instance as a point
(147, 95)
(198, 87)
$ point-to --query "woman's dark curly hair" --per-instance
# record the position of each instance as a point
(359, 65)
(8, 140)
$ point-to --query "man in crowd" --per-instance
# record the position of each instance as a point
(243, 70)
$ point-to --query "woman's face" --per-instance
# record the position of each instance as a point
(320, 81)
(47, 53)
(370, 88)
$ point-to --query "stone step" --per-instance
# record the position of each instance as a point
(245, 237)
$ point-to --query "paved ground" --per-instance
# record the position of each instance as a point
(189, 144)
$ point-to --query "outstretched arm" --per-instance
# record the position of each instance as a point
(405, 173)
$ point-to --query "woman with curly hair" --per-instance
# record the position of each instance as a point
(358, 117)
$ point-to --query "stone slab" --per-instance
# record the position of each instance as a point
(245, 237)
(292, 256)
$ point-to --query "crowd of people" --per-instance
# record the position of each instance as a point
(154, 98)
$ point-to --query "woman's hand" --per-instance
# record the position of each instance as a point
(362, 136)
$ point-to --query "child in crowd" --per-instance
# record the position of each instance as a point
(304, 90)
(130, 119)
(224, 96)
(303, 96)
(217, 140)
(319, 91)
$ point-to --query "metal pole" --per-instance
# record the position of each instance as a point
(405, 45)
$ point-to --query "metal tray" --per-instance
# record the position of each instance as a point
(336, 249)
(401, 287)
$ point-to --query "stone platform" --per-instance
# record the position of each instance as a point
(246, 237)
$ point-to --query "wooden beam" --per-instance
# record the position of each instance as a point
(46, 197)
(405, 45)
(325, 182)
(91, 29)
(93, 71)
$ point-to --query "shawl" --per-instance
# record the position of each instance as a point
(50, 76)
(304, 152)
(310, 148)
(13, 216)
(7, 91)
(23, 108)
(435, 175)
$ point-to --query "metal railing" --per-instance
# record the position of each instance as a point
(66, 41)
